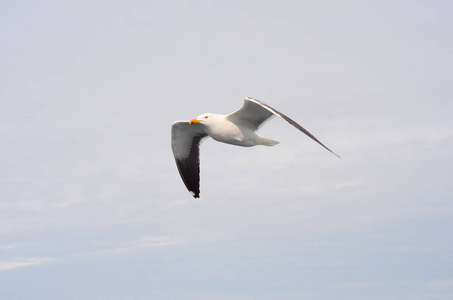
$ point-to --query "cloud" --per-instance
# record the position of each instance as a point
(7, 265)
(149, 242)
(436, 284)
(5, 247)
(443, 284)
(358, 285)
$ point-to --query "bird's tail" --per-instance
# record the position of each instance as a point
(267, 142)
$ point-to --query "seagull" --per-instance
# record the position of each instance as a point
(238, 128)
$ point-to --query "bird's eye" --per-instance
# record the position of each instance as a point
(205, 117)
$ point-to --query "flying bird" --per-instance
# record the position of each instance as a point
(238, 128)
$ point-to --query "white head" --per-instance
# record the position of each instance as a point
(204, 119)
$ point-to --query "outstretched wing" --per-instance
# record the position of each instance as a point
(255, 113)
(251, 114)
(185, 143)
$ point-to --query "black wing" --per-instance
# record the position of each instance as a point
(185, 143)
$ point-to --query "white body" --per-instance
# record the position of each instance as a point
(221, 129)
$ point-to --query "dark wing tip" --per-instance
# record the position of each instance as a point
(332, 152)
(189, 169)
(292, 122)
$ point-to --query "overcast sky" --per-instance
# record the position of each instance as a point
(91, 202)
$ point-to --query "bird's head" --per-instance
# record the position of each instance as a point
(203, 119)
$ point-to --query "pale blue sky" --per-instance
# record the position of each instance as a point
(91, 202)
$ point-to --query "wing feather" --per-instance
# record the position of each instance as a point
(185, 143)
(251, 115)
(255, 113)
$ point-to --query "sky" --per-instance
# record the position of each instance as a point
(91, 202)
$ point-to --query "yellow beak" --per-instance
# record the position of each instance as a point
(194, 121)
